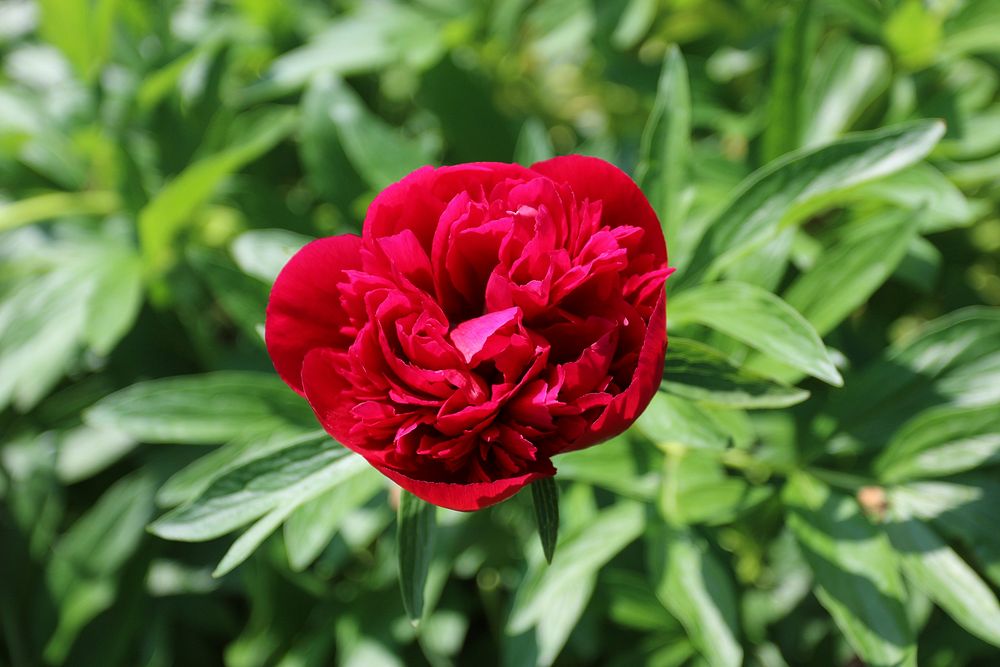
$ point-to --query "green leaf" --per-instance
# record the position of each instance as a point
(82, 30)
(921, 266)
(858, 265)
(327, 168)
(372, 37)
(670, 419)
(57, 205)
(41, 322)
(665, 151)
(115, 301)
(160, 83)
(551, 598)
(940, 442)
(189, 482)
(380, 153)
(963, 508)
(792, 188)
(283, 479)
(786, 582)
(84, 451)
(697, 590)
(972, 30)
(542, 644)
(792, 60)
(310, 527)
(247, 543)
(761, 320)
(696, 489)
(262, 253)
(582, 553)
(533, 144)
(863, 15)
(174, 207)
(633, 604)
(82, 571)
(80, 293)
(857, 573)
(913, 32)
(846, 79)
(973, 173)
(616, 465)
(634, 23)
(241, 297)
(925, 190)
(202, 409)
(953, 360)
(701, 373)
(103, 538)
(545, 497)
(765, 266)
(415, 529)
(934, 568)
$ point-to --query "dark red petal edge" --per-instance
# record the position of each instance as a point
(467, 497)
(626, 407)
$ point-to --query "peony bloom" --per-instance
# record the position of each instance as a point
(489, 317)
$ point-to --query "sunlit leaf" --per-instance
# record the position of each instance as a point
(856, 569)
(934, 567)
(941, 442)
(580, 555)
(963, 508)
(201, 409)
(284, 479)
(759, 319)
(694, 587)
(698, 372)
(858, 264)
(262, 253)
(950, 361)
(788, 190)
(311, 526)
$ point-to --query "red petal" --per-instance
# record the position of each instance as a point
(626, 407)
(468, 497)
(304, 311)
(417, 201)
(622, 201)
(471, 336)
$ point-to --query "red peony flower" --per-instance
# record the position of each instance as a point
(489, 317)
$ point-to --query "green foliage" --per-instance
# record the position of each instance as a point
(415, 528)
(545, 496)
(816, 482)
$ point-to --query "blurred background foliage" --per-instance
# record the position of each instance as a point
(784, 500)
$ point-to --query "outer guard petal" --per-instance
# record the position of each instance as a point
(468, 497)
(331, 397)
(304, 310)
